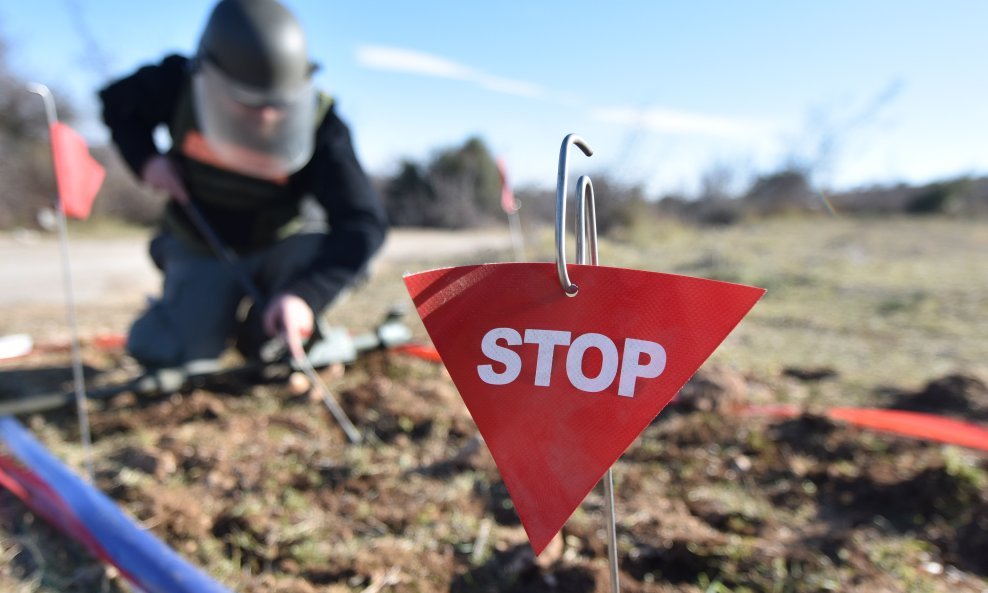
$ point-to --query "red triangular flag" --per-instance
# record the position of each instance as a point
(78, 175)
(508, 203)
(560, 386)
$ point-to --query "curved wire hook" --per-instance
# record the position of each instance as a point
(561, 181)
(586, 223)
(39, 89)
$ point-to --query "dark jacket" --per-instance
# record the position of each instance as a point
(135, 106)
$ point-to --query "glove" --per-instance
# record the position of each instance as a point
(291, 318)
(160, 173)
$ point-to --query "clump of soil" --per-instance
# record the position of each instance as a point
(958, 394)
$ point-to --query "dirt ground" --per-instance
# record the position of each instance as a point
(261, 489)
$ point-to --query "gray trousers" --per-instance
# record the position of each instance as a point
(199, 313)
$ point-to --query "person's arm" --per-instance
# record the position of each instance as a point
(134, 106)
(355, 212)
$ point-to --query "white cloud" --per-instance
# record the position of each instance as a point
(406, 60)
(677, 122)
(415, 62)
(510, 87)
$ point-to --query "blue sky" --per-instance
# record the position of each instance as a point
(665, 93)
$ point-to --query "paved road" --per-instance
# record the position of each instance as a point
(117, 269)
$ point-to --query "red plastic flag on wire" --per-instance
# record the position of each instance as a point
(508, 203)
(78, 175)
(510, 207)
(560, 387)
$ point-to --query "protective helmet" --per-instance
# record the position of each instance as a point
(253, 90)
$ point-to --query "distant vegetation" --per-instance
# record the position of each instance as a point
(458, 187)
(28, 185)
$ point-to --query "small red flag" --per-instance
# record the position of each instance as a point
(78, 175)
(508, 203)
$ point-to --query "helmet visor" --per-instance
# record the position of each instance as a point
(255, 132)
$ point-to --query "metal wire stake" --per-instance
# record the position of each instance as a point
(561, 181)
(81, 402)
(612, 559)
(327, 397)
(586, 253)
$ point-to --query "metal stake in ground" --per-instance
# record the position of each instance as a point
(300, 359)
(82, 406)
(586, 253)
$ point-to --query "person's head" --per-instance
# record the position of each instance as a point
(252, 87)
